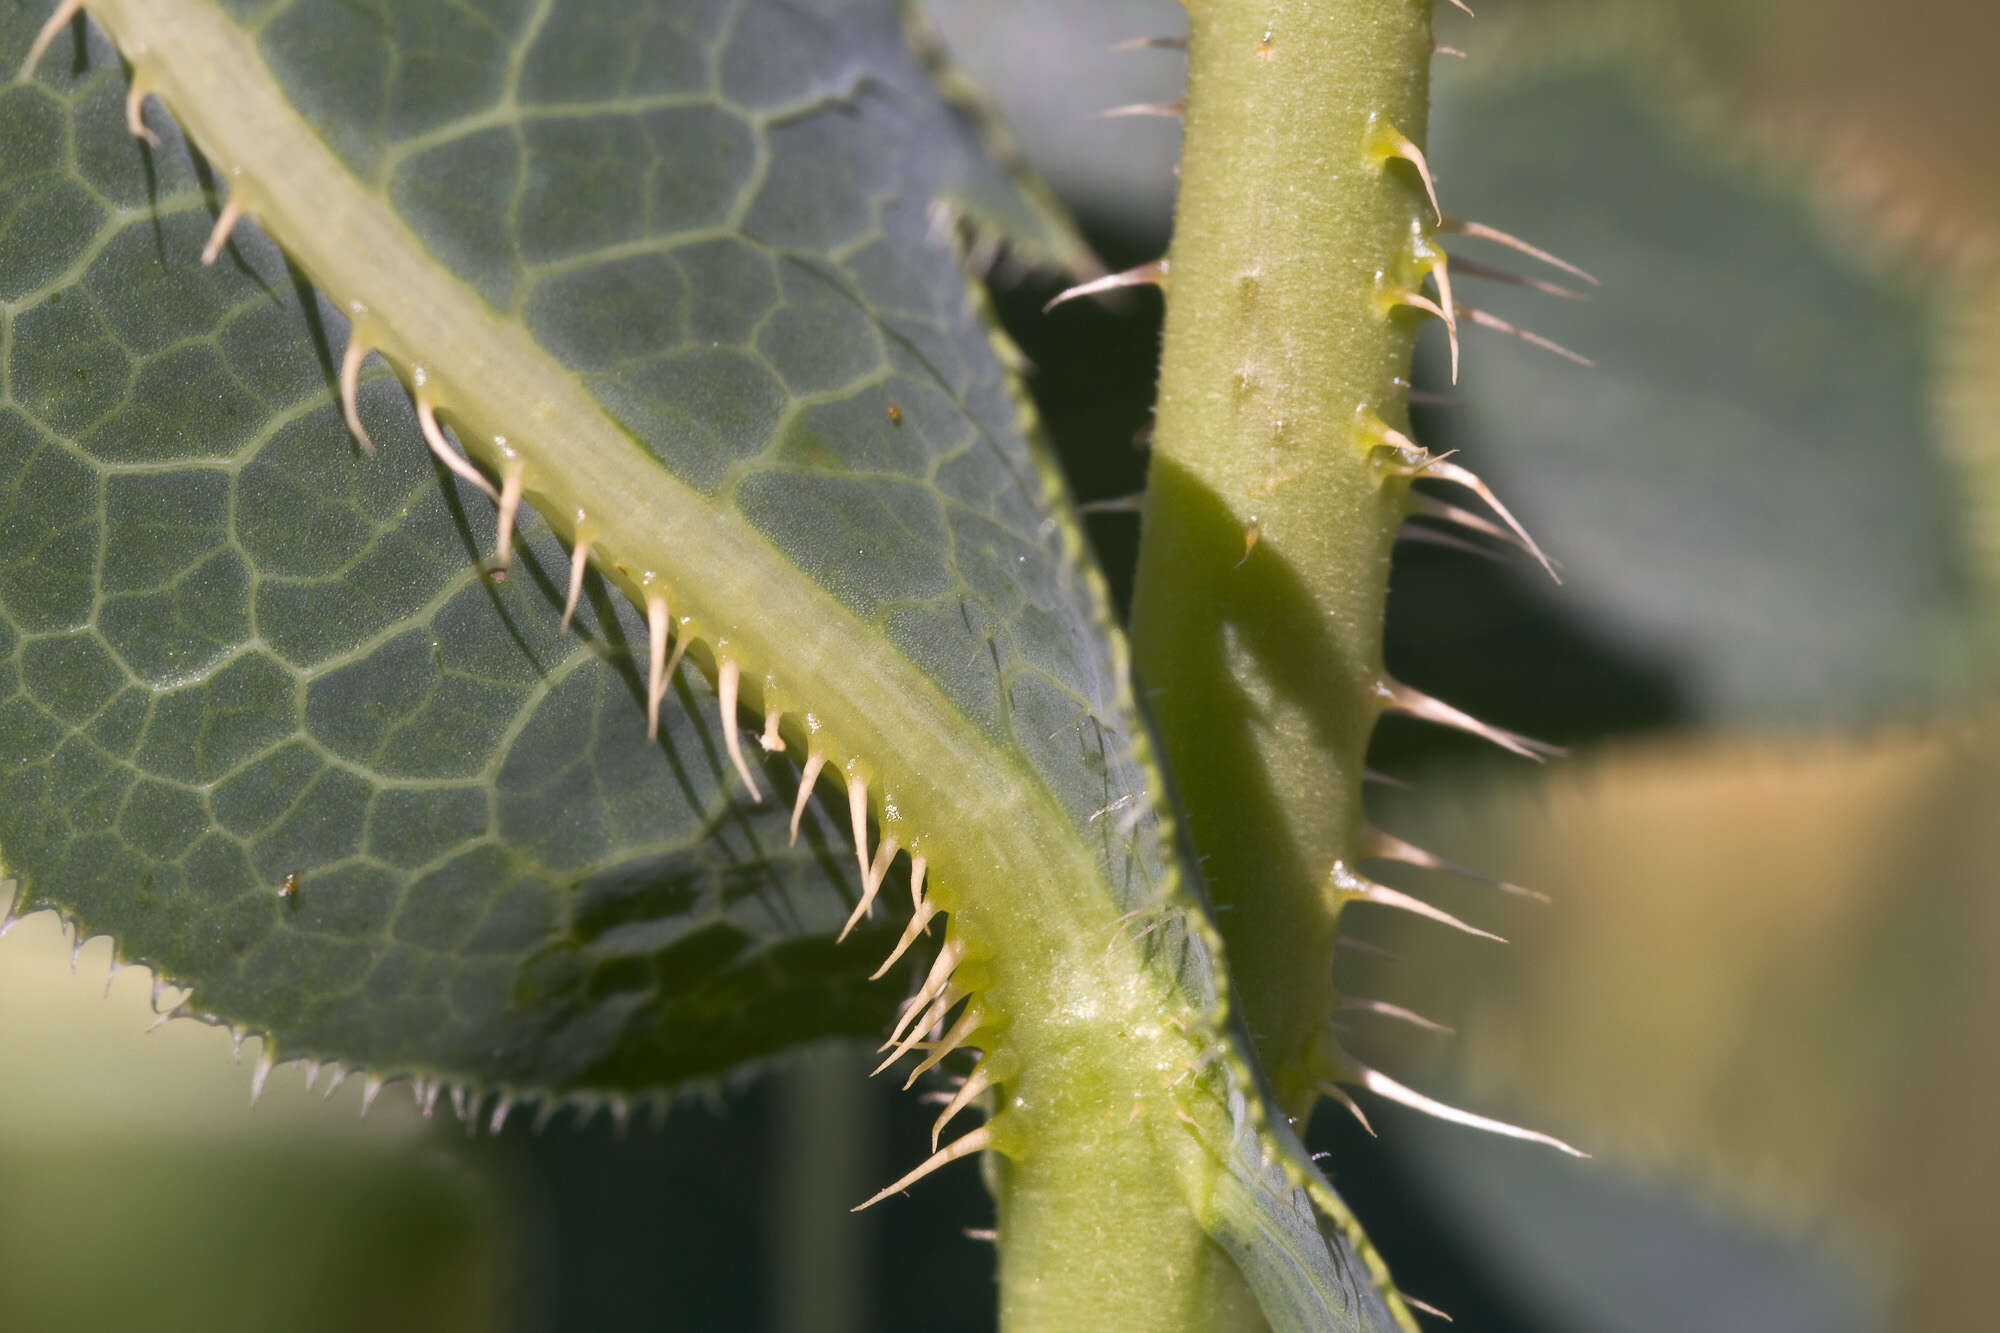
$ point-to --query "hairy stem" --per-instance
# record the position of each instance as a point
(1269, 518)
(1103, 1240)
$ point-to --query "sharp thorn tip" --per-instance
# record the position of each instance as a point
(1383, 1086)
(977, 1141)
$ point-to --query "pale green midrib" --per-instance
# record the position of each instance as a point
(750, 601)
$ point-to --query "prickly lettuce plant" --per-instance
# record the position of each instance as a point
(399, 395)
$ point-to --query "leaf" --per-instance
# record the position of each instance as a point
(683, 276)
(1308, 1277)
(285, 662)
(290, 665)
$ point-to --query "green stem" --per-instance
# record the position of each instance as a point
(1098, 1239)
(1257, 623)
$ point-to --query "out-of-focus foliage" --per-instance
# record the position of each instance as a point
(1892, 101)
(1771, 966)
(1053, 68)
(1599, 1247)
(139, 1189)
(1757, 442)
(1887, 108)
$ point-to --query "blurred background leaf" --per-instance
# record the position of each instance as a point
(1749, 493)
(1891, 105)
(138, 1189)
(1769, 975)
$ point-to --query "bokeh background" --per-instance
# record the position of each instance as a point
(1766, 993)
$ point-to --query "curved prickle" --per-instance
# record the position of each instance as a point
(225, 223)
(1481, 231)
(65, 13)
(1388, 1088)
(1152, 274)
(1385, 143)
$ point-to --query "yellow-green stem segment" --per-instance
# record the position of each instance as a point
(1257, 623)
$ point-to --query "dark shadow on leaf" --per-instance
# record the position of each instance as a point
(316, 327)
